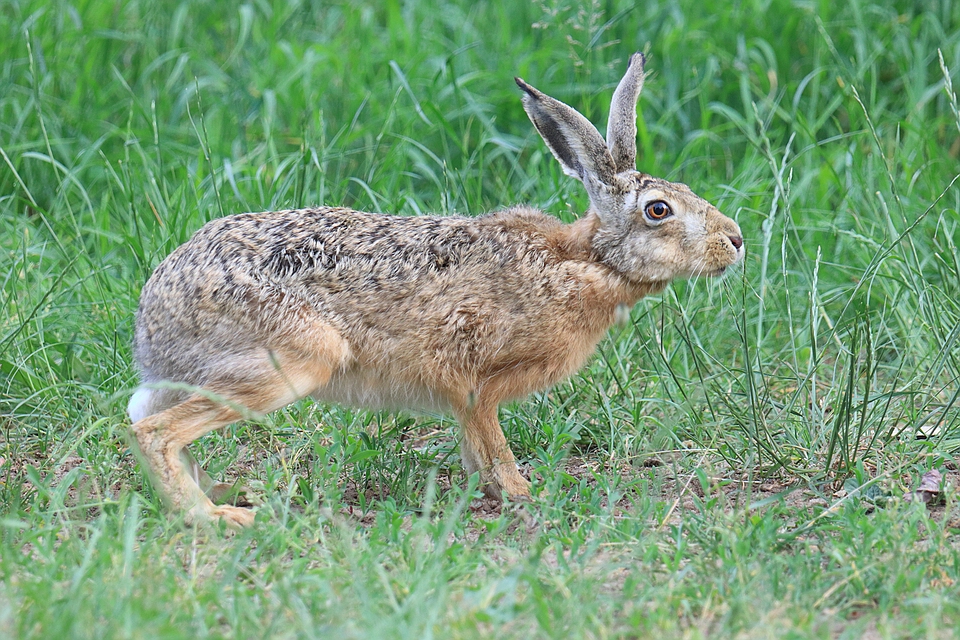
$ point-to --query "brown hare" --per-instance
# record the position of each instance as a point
(454, 314)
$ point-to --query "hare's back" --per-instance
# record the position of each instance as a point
(402, 289)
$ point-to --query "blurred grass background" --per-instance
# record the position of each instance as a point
(830, 131)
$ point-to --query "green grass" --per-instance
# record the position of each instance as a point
(718, 470)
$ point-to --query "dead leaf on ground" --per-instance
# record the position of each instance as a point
(929, 489)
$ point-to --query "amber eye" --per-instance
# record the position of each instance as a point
(657, 210)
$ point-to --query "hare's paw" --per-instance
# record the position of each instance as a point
(235, 517)
(507, 483)
(516, 488)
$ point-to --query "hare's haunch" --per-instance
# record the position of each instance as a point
(453, 314)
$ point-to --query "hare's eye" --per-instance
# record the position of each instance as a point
(657, 210)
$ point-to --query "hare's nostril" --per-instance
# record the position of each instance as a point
(736, 241)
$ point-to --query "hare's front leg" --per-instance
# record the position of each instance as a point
(484, 448)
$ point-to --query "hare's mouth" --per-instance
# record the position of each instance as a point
(716, 273)
(708, 273)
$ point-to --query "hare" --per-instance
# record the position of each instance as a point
(453, 314)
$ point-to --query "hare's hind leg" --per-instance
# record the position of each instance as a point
(484, 448)
(273, 381)
(147, 401)
(162, 438)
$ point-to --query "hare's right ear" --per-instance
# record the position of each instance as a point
(575, 142)
(622, 126)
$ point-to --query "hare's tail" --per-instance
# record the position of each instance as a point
(139, 405)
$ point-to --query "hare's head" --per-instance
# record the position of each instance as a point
(650, 230)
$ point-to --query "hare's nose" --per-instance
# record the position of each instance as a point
(736, 241)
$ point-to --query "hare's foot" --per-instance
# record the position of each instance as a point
(205, 512)
(235, 517)
(485, 449)
(503, 481)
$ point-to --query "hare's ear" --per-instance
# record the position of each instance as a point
(622, 126)
(573, 140)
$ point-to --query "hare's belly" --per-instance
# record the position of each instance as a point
(368, 389)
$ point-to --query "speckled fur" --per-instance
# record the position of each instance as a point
(456, 314)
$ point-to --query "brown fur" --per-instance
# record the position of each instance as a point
(455, 314)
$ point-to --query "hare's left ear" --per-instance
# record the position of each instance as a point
(574, 141)
(622, 126)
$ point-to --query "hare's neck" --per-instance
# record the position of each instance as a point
(619, 290)
(578, 238)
